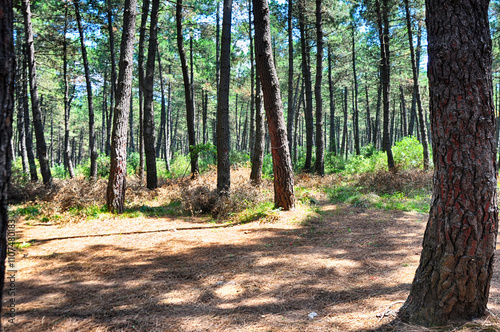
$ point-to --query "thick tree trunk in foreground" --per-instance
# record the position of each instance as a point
(282, 164)
(188, 91)
(7, 70)
(149, 113)
(118, 169)
(453, 279)
(92, 144)
(223, 129)
(41, 146)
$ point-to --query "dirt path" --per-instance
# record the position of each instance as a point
(346, 265)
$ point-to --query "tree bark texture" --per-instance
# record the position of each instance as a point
(149, 113)
(7, 77)
(188, 91)
(41, 146)
(453, 278)
(282, 164)
(118, 160)
(223, 126)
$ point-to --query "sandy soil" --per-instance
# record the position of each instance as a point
(347, 265)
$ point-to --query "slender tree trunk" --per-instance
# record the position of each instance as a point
(356, 110)
(68, 165)
(452, 281)
(258, 153)
(320, 140)
(118, 169)
(368, 117)
(7, 78)
(297, 115)
(149, 115)
(21, 129)
(188, 91)
(163, 112)
(27, 124)
(92, 145)
(416, 87)
(168, 134)
(332, 103)
(404, 132)
(344, 148)
(35, 105)
(252, 84)
(282, 164)
(113, 70)
(385, 77)
(223, 128)
(306, 72)
(140, 58)
(291, 110)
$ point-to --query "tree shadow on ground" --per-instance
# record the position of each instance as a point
(239, 278)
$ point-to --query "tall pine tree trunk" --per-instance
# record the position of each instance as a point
(223, 128)
(140, 60)
(320, 140)
(355, 118)
(92, 144)
(41, 146)
(306, 72)
(452, 281)
(68, 164)
(149, 115)
(282, 164)
(385, 77)
(416, 87)
(113, 71)
(290, 115)
(258, 153)
(7, 78)
(118, 170)
(188, 91)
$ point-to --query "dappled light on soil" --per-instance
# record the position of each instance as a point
(184, 274)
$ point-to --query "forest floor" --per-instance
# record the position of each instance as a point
(331, 268)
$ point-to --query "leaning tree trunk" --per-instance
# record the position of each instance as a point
(118, 170)
(320, 141)
(7, 76)
(223, 128)
(282, 164)
(188, 91)
(149, 115)
(41, 146)
(452, 281)
(92, 145)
